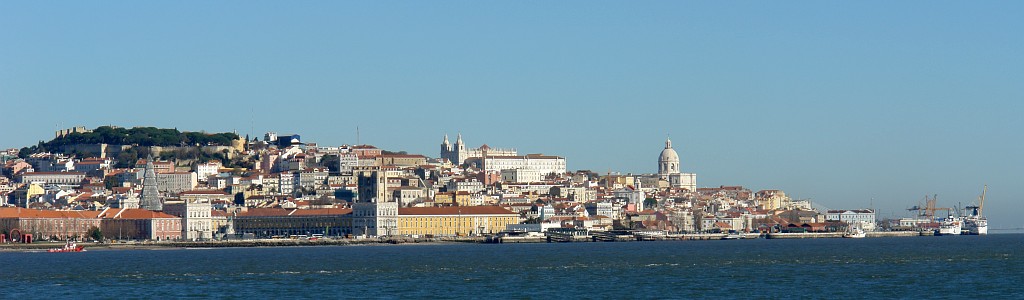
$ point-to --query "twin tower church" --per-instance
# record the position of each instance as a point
(669, 174)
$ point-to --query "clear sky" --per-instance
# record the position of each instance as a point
(839, 102)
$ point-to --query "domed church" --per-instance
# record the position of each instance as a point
(668, 169)
(668, 162)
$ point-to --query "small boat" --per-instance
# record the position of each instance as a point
(855, 233)
(71, 246)
(750, 235)
(741, 235)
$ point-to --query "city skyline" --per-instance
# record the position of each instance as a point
(839, 103)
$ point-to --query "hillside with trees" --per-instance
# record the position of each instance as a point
(137, 136)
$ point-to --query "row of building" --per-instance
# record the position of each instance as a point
(141, 224)
(300, 188)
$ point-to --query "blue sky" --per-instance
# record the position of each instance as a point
(839, 102)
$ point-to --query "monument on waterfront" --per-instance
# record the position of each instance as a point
(150, 191)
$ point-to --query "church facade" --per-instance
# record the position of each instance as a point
(457, 154)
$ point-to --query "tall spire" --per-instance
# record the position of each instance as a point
(445, 139)
(150, 191)
(459, 139)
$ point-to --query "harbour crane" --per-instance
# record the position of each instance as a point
(930, 208)
(977, 209)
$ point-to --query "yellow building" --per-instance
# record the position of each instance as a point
(401, 160)
(461, 198)
(34, 190)
(444, 199)
(454, 220)
(771, 199)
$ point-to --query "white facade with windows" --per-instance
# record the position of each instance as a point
(196, 218)
(520, 175)
(176, 182)
(53, 177)
(537, 163)
(204, 171)
(863, 218)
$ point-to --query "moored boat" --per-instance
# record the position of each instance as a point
(950, 226)
(975, 223)
(855, 233)
(70, 246)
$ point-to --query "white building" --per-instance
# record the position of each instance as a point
(631, 195)
(536, 163)
(204, 171)
(407, 195)
(53, 177)
(458, 154)
(129, 200)
(863, 218)
(603, 208)
(376, 212)
(196, 219)
(470, 185)
(176, 182)
(521, 175)
(285, 183)
(346, 161)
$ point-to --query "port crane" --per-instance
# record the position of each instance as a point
(977, 209)
(929, 208)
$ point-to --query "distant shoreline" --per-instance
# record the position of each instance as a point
(264, 243)
(257, 243)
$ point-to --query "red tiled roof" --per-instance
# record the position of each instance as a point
(265, 212)
(53, 173)
(322, 211)
(17, 212)
(204, 192)
(455, 210)
(137, 214)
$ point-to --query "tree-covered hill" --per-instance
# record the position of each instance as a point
(138, 136)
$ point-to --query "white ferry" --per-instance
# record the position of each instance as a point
(976, 224)
(950, 226)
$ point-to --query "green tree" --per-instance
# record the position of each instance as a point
(650, 203)
(94, 233)
(109, 182)
(240, 199)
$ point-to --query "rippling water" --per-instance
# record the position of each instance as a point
(934, 267)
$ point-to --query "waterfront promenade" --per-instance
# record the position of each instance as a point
(555, 238)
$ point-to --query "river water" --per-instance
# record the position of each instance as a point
(931, 267)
